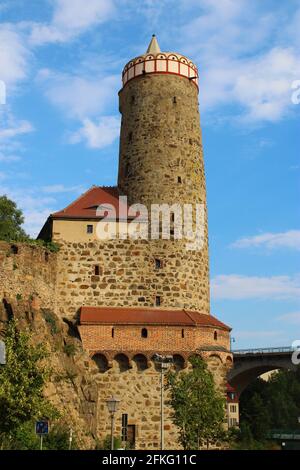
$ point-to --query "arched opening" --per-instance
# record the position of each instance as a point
(101, 362)
(122, 362)
(144, 333)
(140, 361)
(178, 362)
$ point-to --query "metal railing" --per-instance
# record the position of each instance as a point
(283, 349)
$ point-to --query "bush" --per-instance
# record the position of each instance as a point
(106, 444)
(69, 349)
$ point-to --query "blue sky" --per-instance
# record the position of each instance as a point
(61, 61)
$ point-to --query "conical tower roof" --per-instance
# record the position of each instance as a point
(153, 47)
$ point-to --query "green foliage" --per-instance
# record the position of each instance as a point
(24, 438)
(22, 380)
(50, 319)
(199, 409)
(269, 405)
(19, 297)
(106, 443)
(70, 349)
(11, 220)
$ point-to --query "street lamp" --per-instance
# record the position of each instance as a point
(112, 406)
(164, 362)
(232, 340)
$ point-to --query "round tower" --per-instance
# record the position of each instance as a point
(161, 160)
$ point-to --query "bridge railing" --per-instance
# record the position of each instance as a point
(281, 434)
(264, 350)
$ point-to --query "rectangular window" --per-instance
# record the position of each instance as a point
(157, 301)
(89, 229)
(97, 270)
(158, 263)
(124, 427)
(233, 408)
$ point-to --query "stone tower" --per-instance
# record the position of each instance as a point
(161, 160)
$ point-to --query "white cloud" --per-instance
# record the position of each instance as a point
(256, 334)
(8, 158)
(289, 239)
(236, 287)
(60, 188)
(240, 63)
(79, 97)
(71, 18)
(36, 208)
(14, 55)
(291, 318)
(19, 128)
(98, 134)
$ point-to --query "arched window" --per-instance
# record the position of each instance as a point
(144, 333)
(215, 336)
(101, 362)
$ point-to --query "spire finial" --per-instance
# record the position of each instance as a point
(153, 47)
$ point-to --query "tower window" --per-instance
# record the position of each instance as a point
(89, 229)
(144, 333)
(97, 270)
(215, 336)
(179, 180)
(132, 99)
(112, 332)
(158, 263)
(157, 300)
(174, 100)
(182, 333)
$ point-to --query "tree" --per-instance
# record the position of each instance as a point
(198, 408)
(22, 380)
(11, 219)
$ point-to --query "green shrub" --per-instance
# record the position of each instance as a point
(69, 349)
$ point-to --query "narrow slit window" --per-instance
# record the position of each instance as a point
(144, 333)
(215, 336)
(157, 300)
(182, 333)
(89, 229)
(179, 180)
(112, 332)
(97, 270)
(158, 263)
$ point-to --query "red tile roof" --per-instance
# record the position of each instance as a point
(146, 316)
(85, 206)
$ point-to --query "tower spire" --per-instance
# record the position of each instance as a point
(153, 47)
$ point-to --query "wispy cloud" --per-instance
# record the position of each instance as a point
(238, 67)
(70, 19)
(236, 287)
(19, 128)
(61, 188)
(289, 239)
(292, 318)
(256, 334)
(98, 134)
(14, 55)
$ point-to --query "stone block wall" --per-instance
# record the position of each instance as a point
(28, 273)
(128, 276)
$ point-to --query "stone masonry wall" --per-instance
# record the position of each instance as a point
(28, 273)
(128, 276)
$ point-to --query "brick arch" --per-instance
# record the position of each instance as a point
(101, 361)
(179, 362)
(123, 362)
(140, 361)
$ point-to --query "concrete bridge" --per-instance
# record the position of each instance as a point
(248, 364)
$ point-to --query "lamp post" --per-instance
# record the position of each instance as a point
(232, 340)
(112, 405)
(164, 362)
